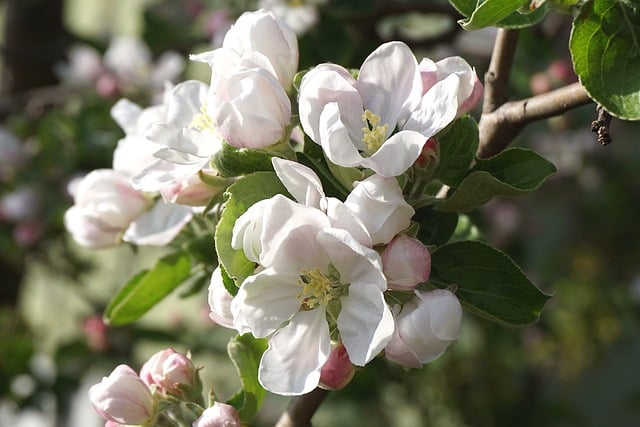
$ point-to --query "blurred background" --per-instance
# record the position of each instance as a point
(66, 62)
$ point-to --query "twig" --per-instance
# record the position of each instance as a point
(498, 128)
(301, 409)
(601, 126)
(497, 76)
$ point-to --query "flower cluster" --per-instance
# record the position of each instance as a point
(338, 275)
(167, 390)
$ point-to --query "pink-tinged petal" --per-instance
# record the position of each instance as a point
(265, 301)
(389, 83)
(296, 353)
(397, 154)
(365, 322)
(445, 313)
(470, 90)
(88, 231)
(428, 73)
(335, 138)
(438, 108)
(406, 262)
(161, 173)
(325, 84)
(354, 262)
(159, 226)
(399, 352)
(288, 237)
(343, 217)
(301, 182)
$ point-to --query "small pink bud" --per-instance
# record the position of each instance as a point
(219, 415)
(122, 397)
(430, 153)
(406, 262)
(168, 370)
(338, 370)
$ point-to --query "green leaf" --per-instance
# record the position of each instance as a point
(514, 19)
(490, 12)
(240, 196)
(458, 143)
(231, 161)
(605, 47)
(436, 228)
(488, 282)
(245, 352)
(147, 288)
(512, 172)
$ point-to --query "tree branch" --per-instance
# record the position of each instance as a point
(499, 127)
(497, 76)
(301, 409)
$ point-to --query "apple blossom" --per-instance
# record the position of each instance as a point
(424, 327)
(219, 415)
(315, 277)
(220, 301)
(378, 202)
(105, 205)
(122, 397)
(261, 32)
(406, 262)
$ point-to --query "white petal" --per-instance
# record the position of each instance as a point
(162, 173)
(438, 108)
(126, 114)
(389, 82)
(343, 217)
(264, 302)
(336, 140)
(365, 322)
(445, 313)
(158, 226)
(291, 365)
(397, 154)
(301, 182)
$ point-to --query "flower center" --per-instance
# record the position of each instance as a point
(320, 288)
(202, 121)
(374, 132)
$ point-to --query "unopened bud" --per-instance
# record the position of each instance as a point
(429, 155)
(219, 415)
(169, 371)
(122, 397)
(406, 262)
(338, 370)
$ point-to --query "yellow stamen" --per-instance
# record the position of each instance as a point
(374, 133)
(316, 288)
(202, 121)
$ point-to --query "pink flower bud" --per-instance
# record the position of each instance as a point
(430, 153)
(219, 415)
(425, 326)
(122, 397)
(338, 370)
(406, 262)
(168, 370)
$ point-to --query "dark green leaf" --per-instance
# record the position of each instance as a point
(605, 47)
(245, 352)
(240, 196)
(513, 172)
(488, 282)
(490, 12)
(436, 228)
(458, 144)
(148, 288)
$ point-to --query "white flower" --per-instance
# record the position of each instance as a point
(261, 32)
(219, 415)
(425, 327)
(355, 120)
(378, 202)
(105, 205)
(314, 277)
(122, 397)
(219, 301)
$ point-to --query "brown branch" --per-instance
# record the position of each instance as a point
(301, 409)
(497, 76)
(499, 127)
